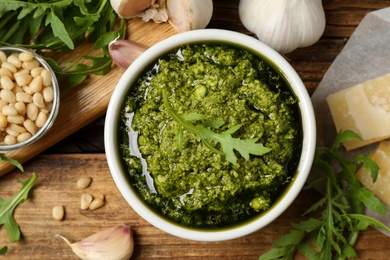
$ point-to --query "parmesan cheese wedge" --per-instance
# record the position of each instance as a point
(364, 109)
(381, 187)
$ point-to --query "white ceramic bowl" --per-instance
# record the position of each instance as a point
(113, 116)
(51, 116)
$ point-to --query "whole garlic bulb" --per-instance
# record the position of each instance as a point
(284, 24)
(186, 15)
(129, 8)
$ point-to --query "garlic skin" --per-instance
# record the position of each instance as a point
(186, 15)
(284, 25)
(129, 8)
(157, 12)
(114, 243)
(124, 52)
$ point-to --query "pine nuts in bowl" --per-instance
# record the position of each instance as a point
(29, 97)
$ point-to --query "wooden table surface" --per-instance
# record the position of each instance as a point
(82, 154)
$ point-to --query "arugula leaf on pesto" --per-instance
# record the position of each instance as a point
(203, 132)
(336, 231)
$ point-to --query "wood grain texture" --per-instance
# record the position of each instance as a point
(81, 153)
(56, 185)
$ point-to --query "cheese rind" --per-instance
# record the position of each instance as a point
(364, 109)
(381, 187)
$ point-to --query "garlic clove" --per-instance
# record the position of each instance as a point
(124, 52)
(114, 243)
(284, 25)
(129, 8)
(186, 15)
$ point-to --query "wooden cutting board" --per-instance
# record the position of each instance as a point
(88, 101)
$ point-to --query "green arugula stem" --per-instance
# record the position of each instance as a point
(336, 232)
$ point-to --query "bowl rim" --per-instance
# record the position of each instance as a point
(238, 39)
(55, 103)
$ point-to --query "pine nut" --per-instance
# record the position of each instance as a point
(96, 203)
(6, 82)
(23, 137)
(36, 71)
(22, 79)
(9, 111)
(14, 60)
(7, 95)
(84, 182)
(38, 100)
(5, 72)
(3, 121)
(58, 213)
(26, 56)
(2, 104)
(11, 132)
(29, 65)
(48, 94)
(41, 120)
(16, 128)
(27, 90)
(23, 97)
(32, 111)
(10, 139)
(8, 66)
(30, 126)
(86, 200)
(18, 119)
(36, 84)
(3, 56)
(46, 78)
(21, 108)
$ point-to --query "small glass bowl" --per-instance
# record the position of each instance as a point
(8, 50)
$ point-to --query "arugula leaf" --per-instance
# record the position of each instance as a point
(3, 250)
(7, 208)
(3, 157)
(285, 247)
(336, 231)
(203, 132)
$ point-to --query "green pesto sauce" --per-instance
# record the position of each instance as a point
(197, 187)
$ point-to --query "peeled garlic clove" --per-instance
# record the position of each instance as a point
(114, 243)
(284, 25)
(129, 8)
(186, 15)
(124, 52)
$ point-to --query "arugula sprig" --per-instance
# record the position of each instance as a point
(333, 234)
(61, 25)
(204, 133)
(7, 207)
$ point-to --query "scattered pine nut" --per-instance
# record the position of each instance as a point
(58, 213)
(86, 200)
(84, 182)
(96, 203)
